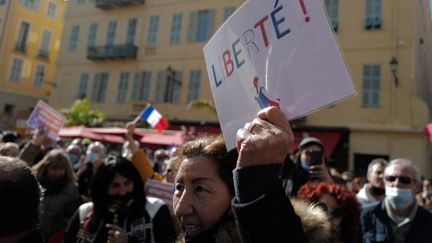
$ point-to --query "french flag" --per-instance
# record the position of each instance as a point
(154, 118)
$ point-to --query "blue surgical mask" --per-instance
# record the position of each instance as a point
(305, 165)
(73, 158)
(92, 157)
(400, 198)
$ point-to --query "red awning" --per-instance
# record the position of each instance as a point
(428, 130)
(330, 140)
(163, 139)
(116, 135)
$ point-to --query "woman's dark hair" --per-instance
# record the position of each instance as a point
(103, 178)
(213, 148)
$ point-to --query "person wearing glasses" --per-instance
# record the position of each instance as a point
(397, 218)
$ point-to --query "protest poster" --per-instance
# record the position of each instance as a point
(46, 119)
(274, 53)
(161, 190)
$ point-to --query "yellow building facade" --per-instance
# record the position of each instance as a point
(30, 32)
(125, 54)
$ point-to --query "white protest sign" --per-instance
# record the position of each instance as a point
(280, 53)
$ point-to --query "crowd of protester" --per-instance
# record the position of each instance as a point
(86, 191)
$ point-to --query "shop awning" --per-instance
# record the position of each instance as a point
(428, 130)
(117, 135)
(330, 140)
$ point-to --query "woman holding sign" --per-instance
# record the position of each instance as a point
(204, 190)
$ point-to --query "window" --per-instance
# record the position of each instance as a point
(172, 87)
(8, 109)
(122, 88)
(100, 86)
(82, 88)
(200, 25)
(371, 85)
(227, 12)
(373, 18)
(81, 1)
(45, 44)
(31, 4)
(15, 72)
(160, 86)
(131, 31)
(176, 28)
(112, 26)
(74, 38)
(51, 12)
(21, 44)
(194, 85)
(141, 86)
(39, 75)
(153, 30)
(332, 7)
(92, 35)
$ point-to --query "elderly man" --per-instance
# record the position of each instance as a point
(373, 191)
(397, 218)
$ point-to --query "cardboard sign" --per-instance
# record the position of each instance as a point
(46, 118)
(161, 190)
(274, 53)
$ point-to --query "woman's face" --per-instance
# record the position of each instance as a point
(120, 185)
(55, 172)
(201, 197)
(333, 210)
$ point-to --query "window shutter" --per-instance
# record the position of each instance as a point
(192, 26)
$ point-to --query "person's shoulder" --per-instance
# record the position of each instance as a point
(371, 208)
(424, 214)
(153, 205)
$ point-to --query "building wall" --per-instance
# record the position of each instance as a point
(12, 14)
(394, 128)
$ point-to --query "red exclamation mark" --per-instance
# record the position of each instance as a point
(307, 18)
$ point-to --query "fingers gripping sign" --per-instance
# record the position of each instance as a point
(266, 139)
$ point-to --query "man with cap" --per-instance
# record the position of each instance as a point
(309, 165)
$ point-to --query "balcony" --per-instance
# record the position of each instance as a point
(43, 54)
(110, 4)
(125, 51)
(21, 47)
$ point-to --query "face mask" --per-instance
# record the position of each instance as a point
(377, 191)
(305, 165)
(73, 158)
(93, 157)
(401, 198)
(120, 203)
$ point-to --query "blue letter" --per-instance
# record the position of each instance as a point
(217, 82)
(276, 23)
(237, 53)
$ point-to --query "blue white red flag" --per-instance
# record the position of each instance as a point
(154, 118)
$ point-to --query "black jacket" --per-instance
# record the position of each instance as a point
(376, 225)
(263, 212)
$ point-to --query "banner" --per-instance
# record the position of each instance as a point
(274, 53)
(46, 119)
(161, 190)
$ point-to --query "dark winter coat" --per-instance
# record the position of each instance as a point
(376, 225)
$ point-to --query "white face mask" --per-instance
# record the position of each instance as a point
(400, 198)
